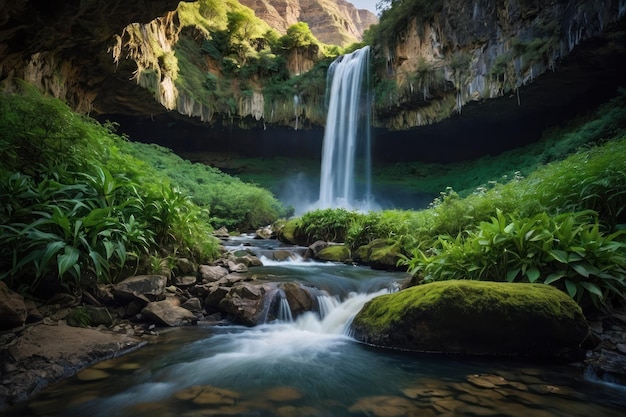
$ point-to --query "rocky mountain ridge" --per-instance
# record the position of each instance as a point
(332, 22)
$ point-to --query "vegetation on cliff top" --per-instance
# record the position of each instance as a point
(80, 202)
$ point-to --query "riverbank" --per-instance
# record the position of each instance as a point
(40, 354)
(37, 355)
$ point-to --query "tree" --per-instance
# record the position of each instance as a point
(298, 35)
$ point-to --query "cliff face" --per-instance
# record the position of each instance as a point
(334, 22)
(62, 48)
(471, 51)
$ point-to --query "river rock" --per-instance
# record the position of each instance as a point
(248, 260)
(146, 288)
(473, 317)
(237, 267)
(185, 266)
(246, 302)
(334, 253)
(193, 304)
(282, 255)
(212, 273)
(13, 310)
(264, 233)
(299, 299)
(379, 254)
(98, 316)
(313, 249)
(221, 233)
(164, 312)
(215, 295)
(185, 281)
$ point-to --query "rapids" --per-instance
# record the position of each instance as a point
(310, 366)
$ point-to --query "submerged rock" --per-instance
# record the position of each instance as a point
(473, 317)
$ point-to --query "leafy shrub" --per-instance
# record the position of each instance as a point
(75, 204)
(567, 250)
(328, 224)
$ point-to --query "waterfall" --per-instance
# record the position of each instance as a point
(347, 134)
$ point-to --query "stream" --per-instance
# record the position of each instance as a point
(310, 366)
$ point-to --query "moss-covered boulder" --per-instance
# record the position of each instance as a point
(290, 233)
(474, 317)
(380, 254)
(334, 253)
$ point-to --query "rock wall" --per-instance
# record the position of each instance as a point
(333, 22)
(62, 48)
(476, 50)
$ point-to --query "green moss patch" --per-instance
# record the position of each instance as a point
(475, 318)
(334, 253)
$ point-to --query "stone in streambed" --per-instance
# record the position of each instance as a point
(283, 394)
(212, 273)
(380, 254)
(164, 312)
(144, 288)
(473, 317)
(384, 406)
(334, 253)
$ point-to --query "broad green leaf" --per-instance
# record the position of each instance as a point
(512, 274)
(559, 255)
(68, 259)
(533, 274)
(109, 247)
(581, 270)
(553, 277)
(51, 250)
(592, 288)
(571, 287)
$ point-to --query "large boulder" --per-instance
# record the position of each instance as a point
(145, 288)
(212, 273)
(299, 298)
(334, 253)
(13, 310)
(246, 302)
(164, 312)
(380, 254)
(474, 317)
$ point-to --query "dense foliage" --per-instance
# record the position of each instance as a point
(79, 202)
(562, 224)
(225, 54)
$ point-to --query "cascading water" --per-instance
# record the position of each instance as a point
(309, 366)
(347, 134)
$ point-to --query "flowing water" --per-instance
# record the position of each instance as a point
(310, 366)
(347, 134)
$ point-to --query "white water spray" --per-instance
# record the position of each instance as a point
(347, 134)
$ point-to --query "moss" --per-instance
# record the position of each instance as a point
(380, 253)
(471, 296)
(286, 234)
(334, 253)
(474, 317)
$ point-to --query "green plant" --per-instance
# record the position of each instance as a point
(329, 224)
(567, 250)
(78, 317)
